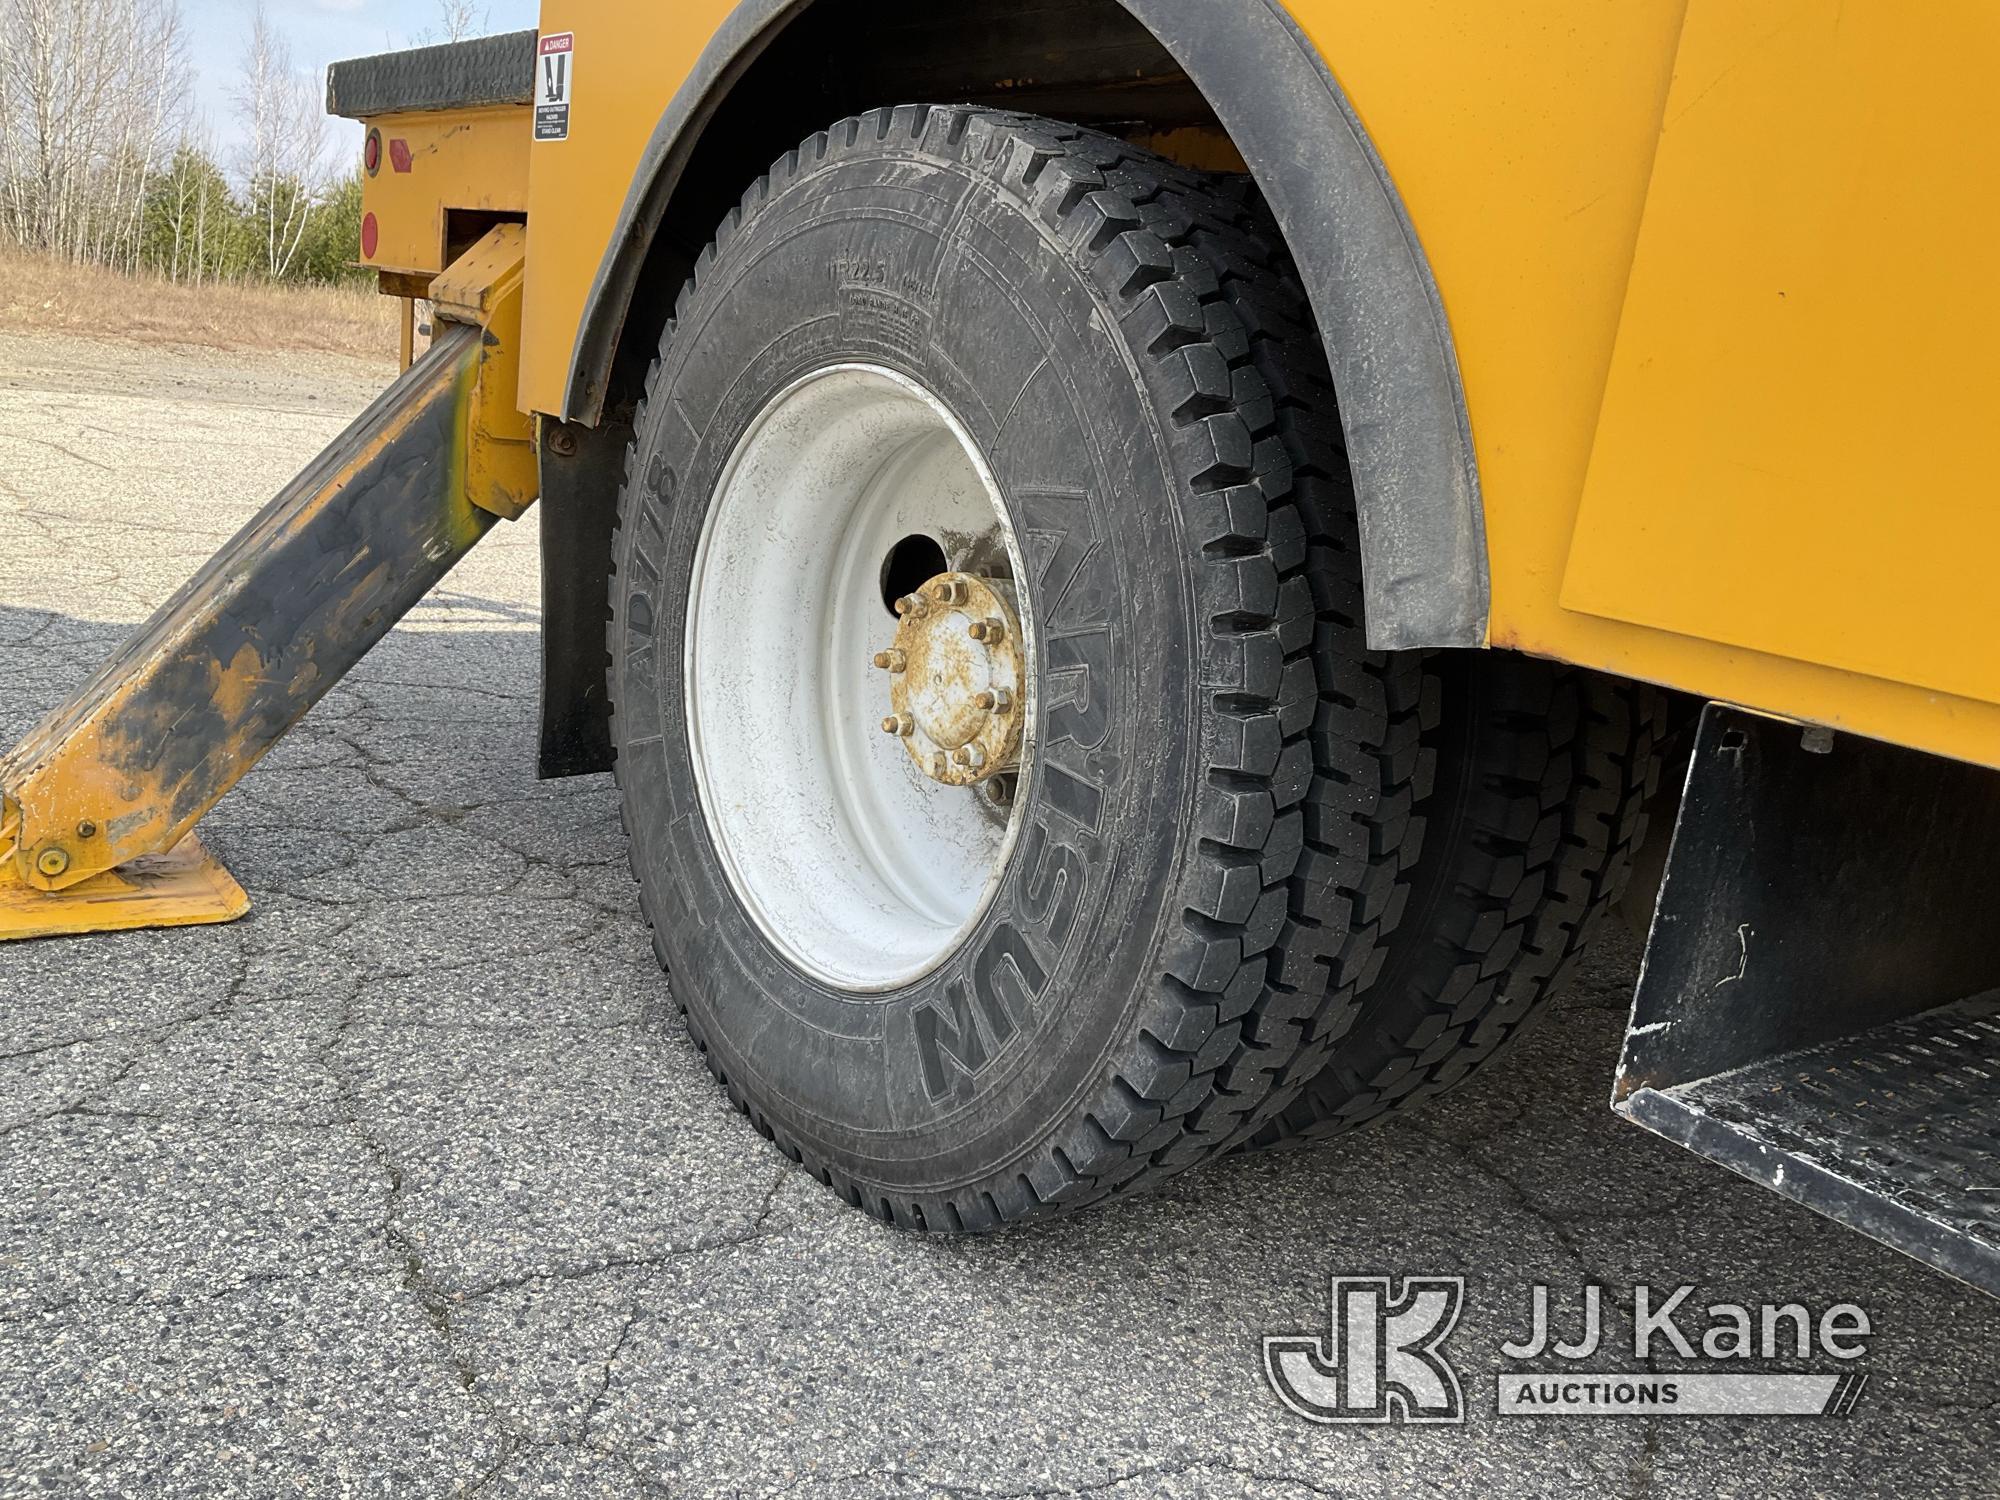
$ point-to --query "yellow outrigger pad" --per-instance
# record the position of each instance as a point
(181, 888)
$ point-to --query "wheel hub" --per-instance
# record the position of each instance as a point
(852, 487)
(955, 679)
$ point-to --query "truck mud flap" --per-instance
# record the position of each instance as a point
(1819, 1008)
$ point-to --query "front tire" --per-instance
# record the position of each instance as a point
(1131, 981)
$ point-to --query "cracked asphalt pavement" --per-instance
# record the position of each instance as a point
(411, 1184)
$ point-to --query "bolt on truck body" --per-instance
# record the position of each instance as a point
(1150, 569)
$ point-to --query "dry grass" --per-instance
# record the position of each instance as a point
(39, 294)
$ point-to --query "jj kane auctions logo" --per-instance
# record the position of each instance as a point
(1382, 1357)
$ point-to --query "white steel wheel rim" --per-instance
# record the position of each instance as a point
(861, 870)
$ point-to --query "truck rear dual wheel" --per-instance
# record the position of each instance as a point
(1018, 811)
(1540, 776)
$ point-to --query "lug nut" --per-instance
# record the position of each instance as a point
(969, 756)
(997, 701)
(52, 862)
(989, 630)
(900, 725)
(912, 604)
(940, 765)
(891, 660)
(949, 591)
(1000, 790)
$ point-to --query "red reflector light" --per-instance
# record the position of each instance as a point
(371, 152)
(371, 236)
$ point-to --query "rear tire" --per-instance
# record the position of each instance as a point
(1145, 980)
(1542, 778)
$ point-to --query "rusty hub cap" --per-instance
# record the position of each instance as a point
(955, 679)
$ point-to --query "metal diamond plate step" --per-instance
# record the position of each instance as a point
(1802, 1015)
(1895, 1132)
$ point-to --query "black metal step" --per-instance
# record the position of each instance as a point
(1895, 1131)
(1801, 1017)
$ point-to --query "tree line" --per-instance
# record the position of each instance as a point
(105, 160)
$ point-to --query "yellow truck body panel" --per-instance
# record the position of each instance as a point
(429, 166)
(1794, 454)
(1719, 281)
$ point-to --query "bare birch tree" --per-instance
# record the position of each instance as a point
(190, 214)
(92, 96)
(284, 159)
(459, 20)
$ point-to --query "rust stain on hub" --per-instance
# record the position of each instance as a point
(955, 679)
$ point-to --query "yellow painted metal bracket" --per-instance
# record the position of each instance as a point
(98, 802)
(483, 288)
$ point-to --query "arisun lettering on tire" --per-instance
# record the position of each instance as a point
(1204, 844)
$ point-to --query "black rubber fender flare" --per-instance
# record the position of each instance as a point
(1388, 339)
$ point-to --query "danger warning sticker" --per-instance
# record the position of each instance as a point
(554, 74)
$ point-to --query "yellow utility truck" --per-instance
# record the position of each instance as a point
(1150, 569)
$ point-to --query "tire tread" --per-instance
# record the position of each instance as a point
(1281, 904)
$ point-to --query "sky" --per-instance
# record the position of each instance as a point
(320, 32)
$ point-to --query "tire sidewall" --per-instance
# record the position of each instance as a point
(932, 268)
